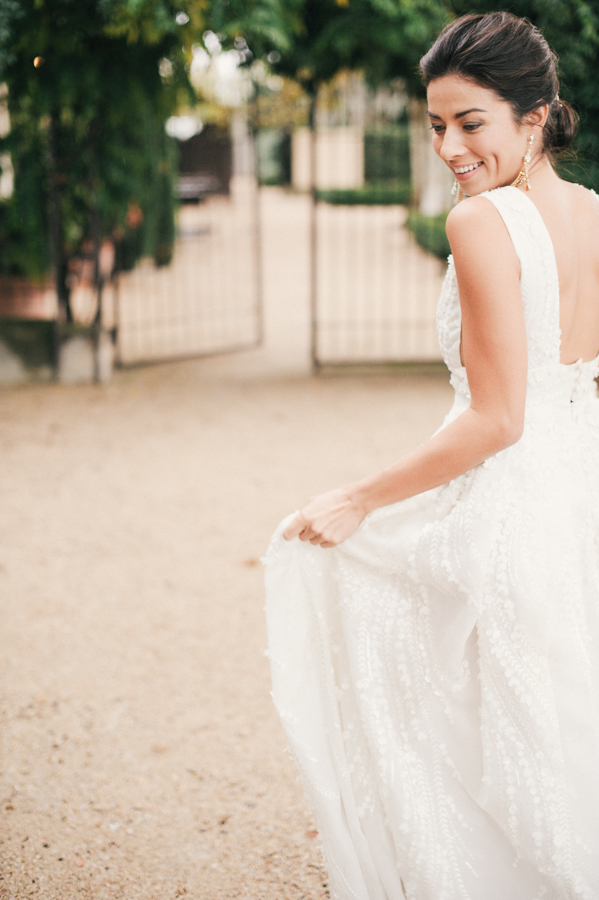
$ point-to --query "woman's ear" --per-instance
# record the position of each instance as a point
(538, 116)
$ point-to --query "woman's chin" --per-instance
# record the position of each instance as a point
(475, 184)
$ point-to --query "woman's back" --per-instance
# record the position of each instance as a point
(571, 215)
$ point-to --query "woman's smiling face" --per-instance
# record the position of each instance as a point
(475, 134)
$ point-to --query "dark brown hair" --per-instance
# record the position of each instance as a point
(511, 57)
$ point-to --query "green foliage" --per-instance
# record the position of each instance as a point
(24, 241)
(318, 38)
(87, 137)
(267, 25)
(273, 149)
(152, 22)
(387, 153)
(384, 193)
(32, 341)
(10, 12)
(429, 233)
(382, 37)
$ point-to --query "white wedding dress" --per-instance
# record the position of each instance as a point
(437, 674)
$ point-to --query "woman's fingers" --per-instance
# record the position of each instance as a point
(327, 520)
(295, 528)
(299, 527)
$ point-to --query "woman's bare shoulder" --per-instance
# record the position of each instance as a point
(477, 223)
(581, 194)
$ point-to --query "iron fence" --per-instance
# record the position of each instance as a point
(209, 298)
(373, 289)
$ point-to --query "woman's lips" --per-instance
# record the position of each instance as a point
(464, 176)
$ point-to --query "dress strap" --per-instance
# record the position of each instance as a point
(539, 277)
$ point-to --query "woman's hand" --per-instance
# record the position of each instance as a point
(328, 519)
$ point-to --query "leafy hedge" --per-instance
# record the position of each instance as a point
(387, 154)
(32, 341)
(429, 233)
(384, 194)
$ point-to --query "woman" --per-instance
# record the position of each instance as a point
(437, 673)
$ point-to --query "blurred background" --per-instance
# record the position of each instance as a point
(146, 146)
(221, 246)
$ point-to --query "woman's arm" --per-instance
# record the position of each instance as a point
(495, 356)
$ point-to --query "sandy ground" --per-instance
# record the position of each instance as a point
(141, 755)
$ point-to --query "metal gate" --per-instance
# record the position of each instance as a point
(208, 300)
(376, 291)
(373, 289)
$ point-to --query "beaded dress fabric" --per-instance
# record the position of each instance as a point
(437, 674)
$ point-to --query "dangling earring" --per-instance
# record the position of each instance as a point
(523, 174)
(457, 191)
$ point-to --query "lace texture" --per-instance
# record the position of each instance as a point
(437, 675)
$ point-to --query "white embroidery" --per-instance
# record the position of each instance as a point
(437, 675)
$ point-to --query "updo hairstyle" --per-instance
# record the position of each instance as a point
(511, 57)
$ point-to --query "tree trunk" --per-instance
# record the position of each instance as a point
(55, 223)
(313, 232)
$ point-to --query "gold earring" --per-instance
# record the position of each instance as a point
(457, 191)
(523, 173)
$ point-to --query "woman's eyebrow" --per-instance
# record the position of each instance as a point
(466, 111)
(458, 115)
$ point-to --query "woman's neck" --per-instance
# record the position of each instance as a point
(541, 173)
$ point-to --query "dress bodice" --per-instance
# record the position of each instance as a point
(547, 377)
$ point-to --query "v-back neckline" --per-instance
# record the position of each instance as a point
(552, 256)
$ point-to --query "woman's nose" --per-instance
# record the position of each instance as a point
(452, 146)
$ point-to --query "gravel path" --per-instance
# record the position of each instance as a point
(141, 754)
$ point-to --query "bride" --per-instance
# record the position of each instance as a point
(434, 628)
